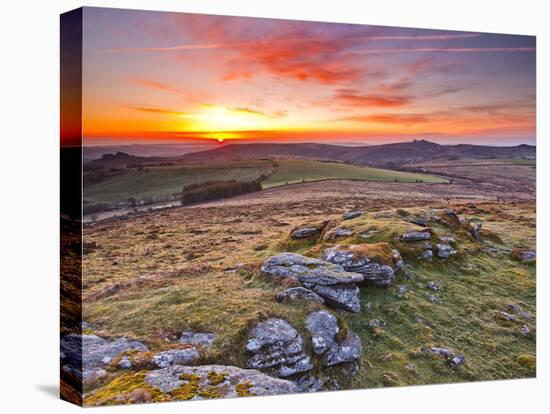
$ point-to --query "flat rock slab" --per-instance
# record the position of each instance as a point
(230, 381)
(297, 294)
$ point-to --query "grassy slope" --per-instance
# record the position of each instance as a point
(476, 286)
(294, 171)
(159, 182)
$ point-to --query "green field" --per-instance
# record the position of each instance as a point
(155, 183)
(295, 171)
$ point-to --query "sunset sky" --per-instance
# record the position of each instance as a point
(173, 77)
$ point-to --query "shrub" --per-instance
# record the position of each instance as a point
(213, 190)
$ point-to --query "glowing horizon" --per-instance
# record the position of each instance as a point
(176, 77)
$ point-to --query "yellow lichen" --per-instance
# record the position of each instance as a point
(215, 378)
(243, 389)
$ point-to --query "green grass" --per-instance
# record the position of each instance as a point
(296, 171)
(162, 182)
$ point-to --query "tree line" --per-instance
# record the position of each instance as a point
(214, 190)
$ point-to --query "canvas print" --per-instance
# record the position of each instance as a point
(264, 206)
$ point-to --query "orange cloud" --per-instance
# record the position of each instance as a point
(353, 98)
(157, 85)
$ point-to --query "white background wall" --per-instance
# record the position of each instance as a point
(29, 204)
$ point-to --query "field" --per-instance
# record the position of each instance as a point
(158, 182)
(296, 171)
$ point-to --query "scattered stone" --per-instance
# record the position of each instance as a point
(523, 255)
(236, 382)
(202, 339)
(277, 348)
(351, 215)
(305, 233)
(525, 329)
(433, 298)
(323, 326)
(446, 352)
(518, 311)
(457, 360)
(412, 236)
(454, 218)
(297, 294)
(506, 316)
(475, 231)
(176, 357)
(444, 251)
(433, 286)
(90, 376)
(420, 221)
(349, 350)
(402, 289)
(427, 255)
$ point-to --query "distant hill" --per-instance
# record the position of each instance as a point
(376, 155)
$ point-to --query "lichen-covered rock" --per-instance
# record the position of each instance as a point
(298, 293)
(351, 215)
(305, 232)
(340, 296)
(328, 280)
(412, 236)
(289, 265)
(337, 233)
(218, 381)
(427, 255)
(87, 355)
(355, 258)
(323, 326)
(201, 339)
(176, 357)
(348, 350)
(444, 251)
(277, 348)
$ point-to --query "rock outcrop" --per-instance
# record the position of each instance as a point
(86, 356)
(277, 348)
(355, 258)
(328, 280)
